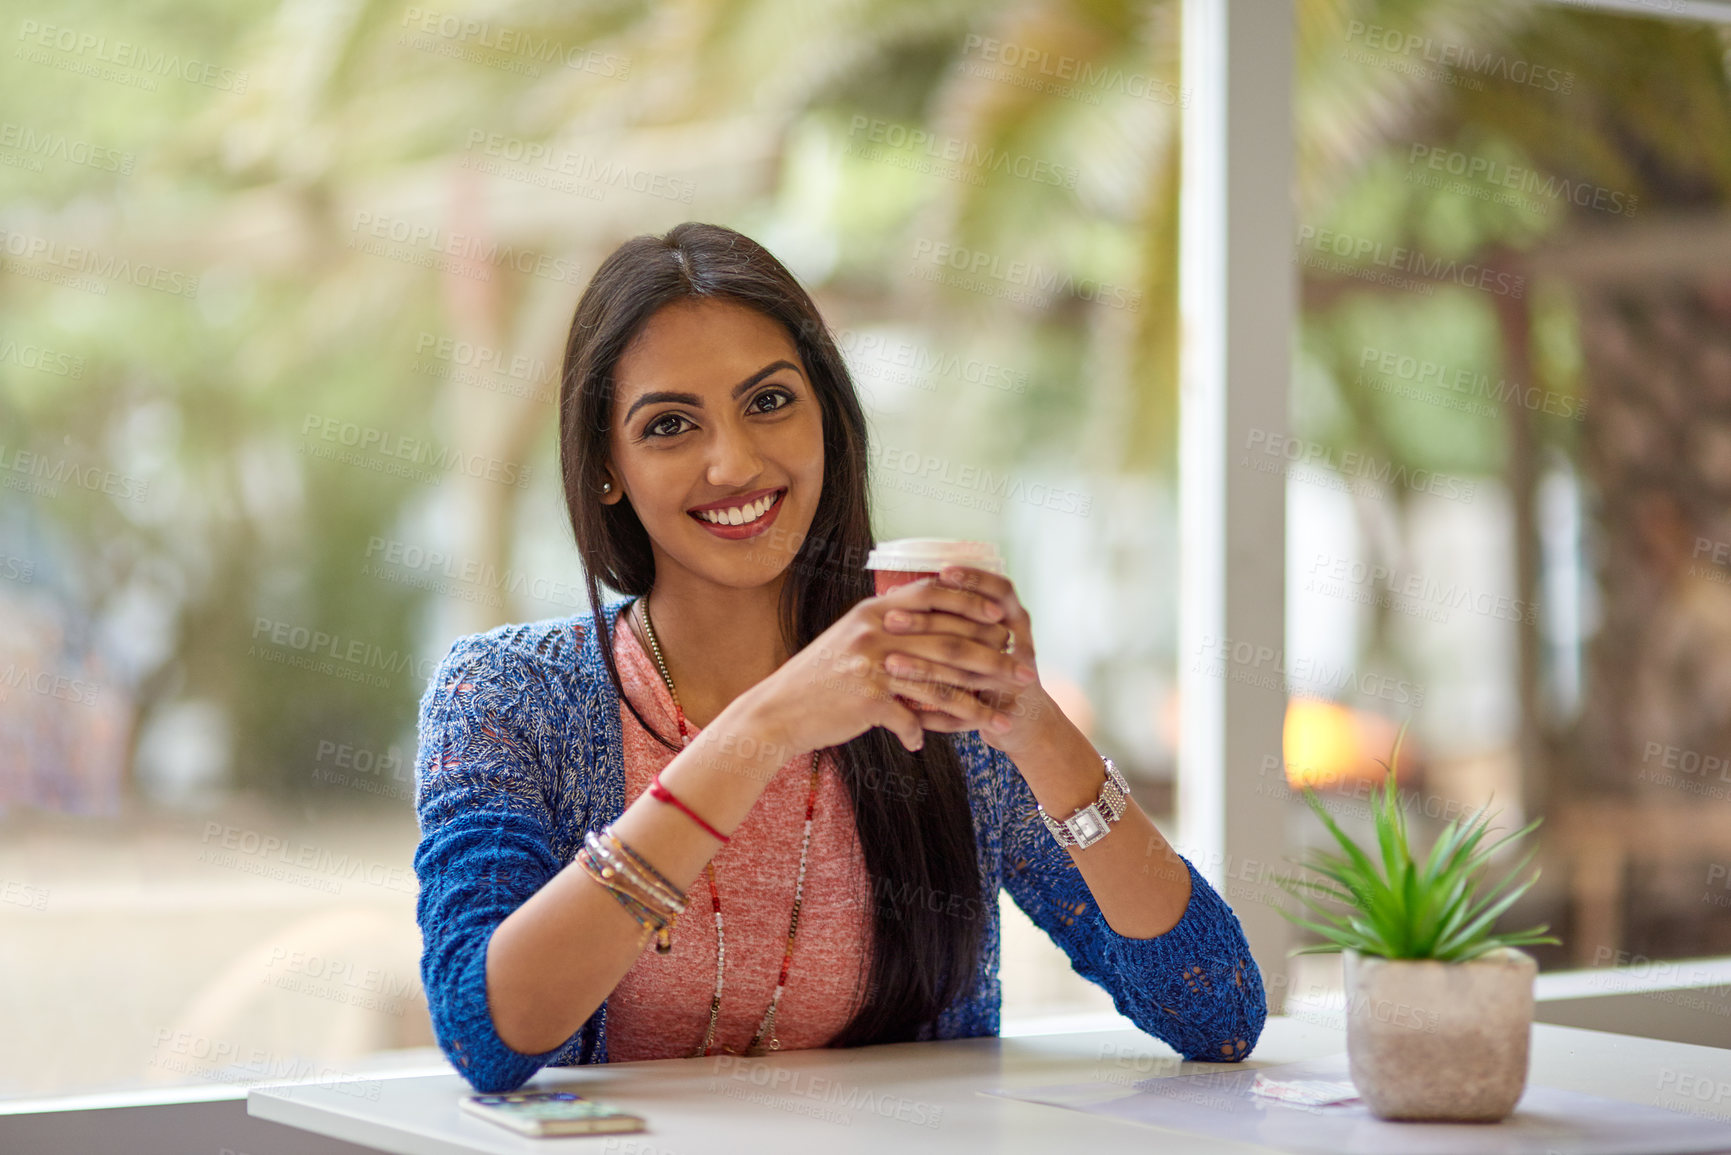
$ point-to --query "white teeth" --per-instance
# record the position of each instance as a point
(739, 515)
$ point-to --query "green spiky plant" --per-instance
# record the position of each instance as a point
(1407, 909)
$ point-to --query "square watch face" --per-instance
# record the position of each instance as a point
(1088, 825)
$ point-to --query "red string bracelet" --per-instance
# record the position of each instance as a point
(657, 790)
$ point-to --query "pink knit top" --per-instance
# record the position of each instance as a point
(660, 1009)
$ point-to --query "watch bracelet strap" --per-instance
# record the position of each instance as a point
(1113, 801)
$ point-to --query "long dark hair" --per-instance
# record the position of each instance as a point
(910, 808)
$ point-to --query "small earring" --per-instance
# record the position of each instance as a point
(606, 487)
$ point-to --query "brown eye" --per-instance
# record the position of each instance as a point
(783, 393)
(660, 428)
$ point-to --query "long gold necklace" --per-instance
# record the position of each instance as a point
(766, 1025)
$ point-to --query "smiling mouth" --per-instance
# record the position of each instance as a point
(744, 514)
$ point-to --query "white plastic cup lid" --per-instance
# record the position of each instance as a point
(930, 554)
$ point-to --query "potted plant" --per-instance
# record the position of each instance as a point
(1439, 1006)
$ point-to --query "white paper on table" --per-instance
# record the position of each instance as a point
(1222, 1104)
(1303, 1092)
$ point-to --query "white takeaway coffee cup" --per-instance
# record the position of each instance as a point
(907, 559)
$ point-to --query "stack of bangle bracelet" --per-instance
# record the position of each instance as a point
(641, 889)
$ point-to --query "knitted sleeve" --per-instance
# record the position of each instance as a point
(1196, 987)
(486, 825)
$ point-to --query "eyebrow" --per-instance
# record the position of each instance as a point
(694, 400)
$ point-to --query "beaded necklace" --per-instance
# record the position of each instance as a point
(766, 1025)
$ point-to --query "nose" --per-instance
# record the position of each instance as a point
(734, 461)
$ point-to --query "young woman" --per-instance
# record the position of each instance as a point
(806, 795)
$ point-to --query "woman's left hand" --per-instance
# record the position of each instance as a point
(945, 655)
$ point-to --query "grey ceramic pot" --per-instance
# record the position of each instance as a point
(1440, 1041)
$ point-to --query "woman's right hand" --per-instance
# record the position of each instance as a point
(837, 688)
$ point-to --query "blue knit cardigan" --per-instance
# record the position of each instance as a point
(520, 754)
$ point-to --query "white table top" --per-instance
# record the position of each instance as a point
(923, 1097)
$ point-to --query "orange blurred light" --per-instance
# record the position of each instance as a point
(1327, 746)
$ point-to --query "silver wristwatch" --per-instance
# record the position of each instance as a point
(1091, 823)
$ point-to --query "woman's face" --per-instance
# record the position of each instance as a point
(712, 412)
